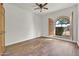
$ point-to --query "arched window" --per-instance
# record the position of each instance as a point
(63, 26)
(63, 21)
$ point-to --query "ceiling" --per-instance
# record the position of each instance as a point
(51, 6)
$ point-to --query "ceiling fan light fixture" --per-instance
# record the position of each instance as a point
(41, 6)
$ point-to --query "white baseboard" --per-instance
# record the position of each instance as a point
(60, 39)
(32, 38)
(21, 41)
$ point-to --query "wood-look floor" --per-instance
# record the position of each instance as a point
(43, 47)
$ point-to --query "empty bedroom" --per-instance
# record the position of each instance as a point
(39, 29)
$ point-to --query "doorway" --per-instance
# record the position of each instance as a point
(62, 27)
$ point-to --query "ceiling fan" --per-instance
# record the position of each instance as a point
(41, 6)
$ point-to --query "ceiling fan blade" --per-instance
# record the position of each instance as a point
(45, 4)
(37, 4)
(36, 8)
(45, 8)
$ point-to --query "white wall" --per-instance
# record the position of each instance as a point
(20, 24)
(78, 24)
(63, 12)
(44, 25)
(37, 20)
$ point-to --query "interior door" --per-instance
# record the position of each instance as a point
(50, 26)
(2, 29)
